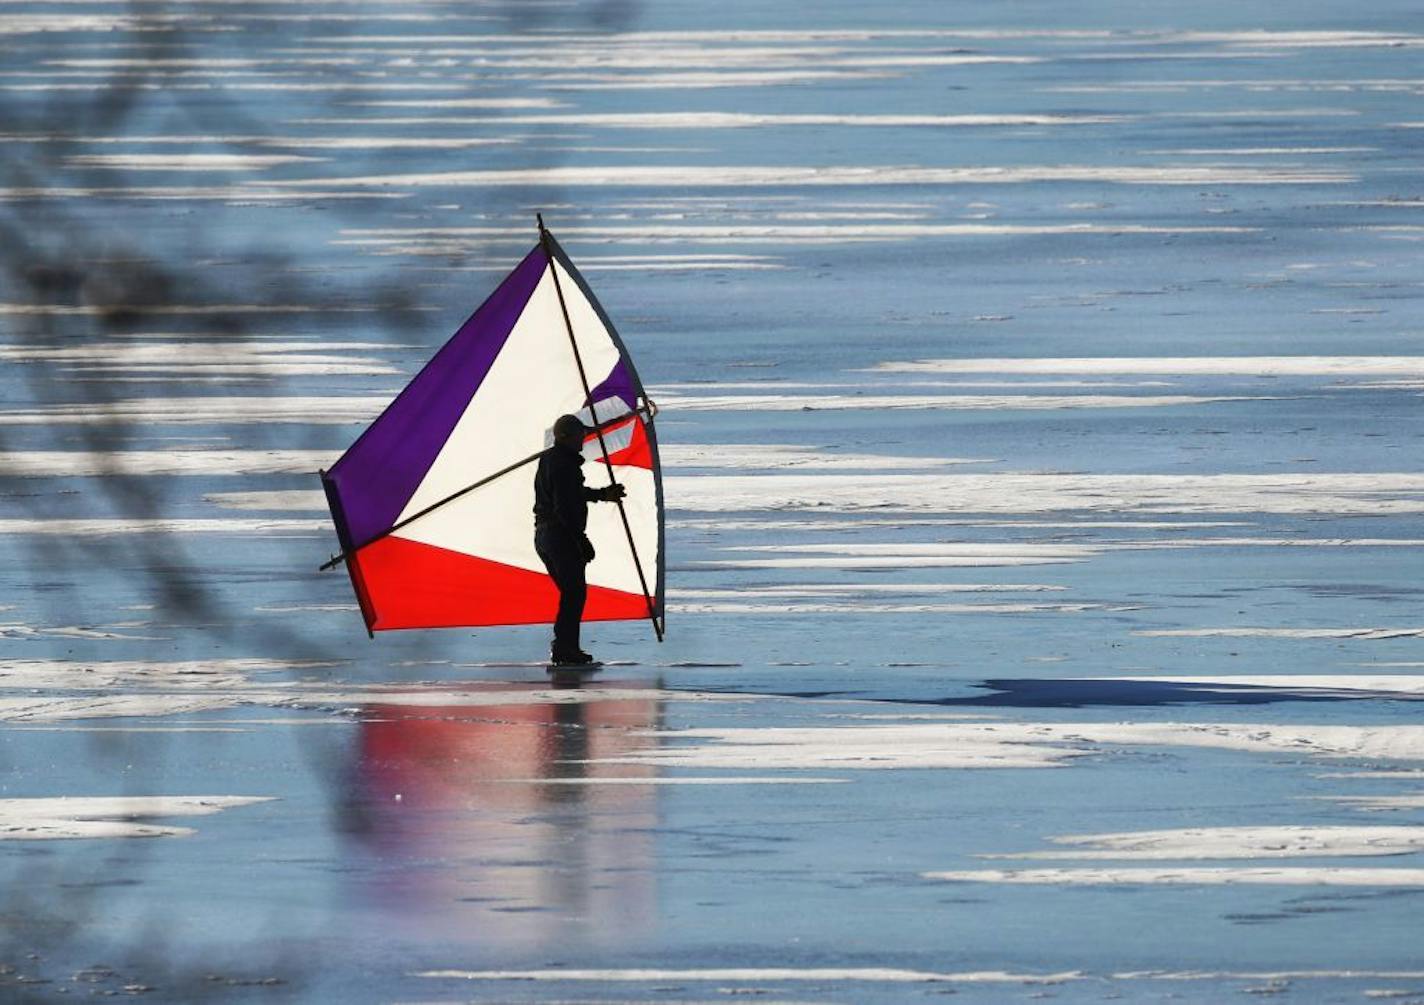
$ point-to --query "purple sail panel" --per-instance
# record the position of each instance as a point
(382, 470)
(618, 384)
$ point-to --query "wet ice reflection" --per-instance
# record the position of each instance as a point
(489, 825)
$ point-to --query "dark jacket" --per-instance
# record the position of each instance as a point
(560, 497)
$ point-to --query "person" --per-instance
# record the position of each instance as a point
(560, 516)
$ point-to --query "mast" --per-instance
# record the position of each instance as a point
(545, 239)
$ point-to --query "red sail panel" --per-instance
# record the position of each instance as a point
(627, 444)
(415, 585)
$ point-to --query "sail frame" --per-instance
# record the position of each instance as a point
(348, 551)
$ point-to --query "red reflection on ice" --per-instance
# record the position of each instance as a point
(505, 823)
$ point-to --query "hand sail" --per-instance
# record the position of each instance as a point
(433, 502)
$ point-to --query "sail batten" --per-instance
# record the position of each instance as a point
(434, 501)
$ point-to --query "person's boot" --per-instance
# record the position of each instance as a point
(576, 657)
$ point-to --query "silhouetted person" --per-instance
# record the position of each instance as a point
(560, 515)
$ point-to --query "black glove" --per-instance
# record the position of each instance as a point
(586, 546)
(614, 492)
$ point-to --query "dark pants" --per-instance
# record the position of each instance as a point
(563, 557)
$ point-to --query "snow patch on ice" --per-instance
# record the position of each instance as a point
(1234, 842)
(1380, 803)
(204, 409)
(688, 780)
(886, 975)
(725, 120)
(780, 455)
(117, 526)
(94, 674)
(970, 744)
(988, 560)
(687, 176)
(1256, 366)
(852, 589)
(1394, 685)
(1013, 493)
(1194, 876)
(1286, 633)
(23, 631)
(187, 162)
(944, 402)
(866, 607)
(177, 461)
(285, 500)
(106, 817)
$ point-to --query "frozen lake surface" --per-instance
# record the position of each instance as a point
(1040, 395)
